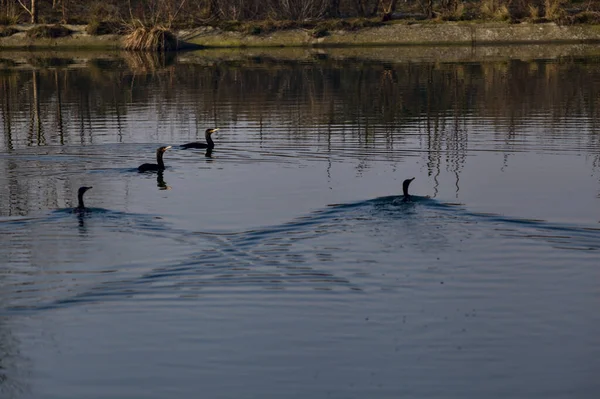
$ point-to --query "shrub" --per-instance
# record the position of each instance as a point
(98, 28)
(48, 31)
(156, 38)
(9, 19)
(458, 13)
(554, 9)
(493, 9)
(586, 17)
(319, 31)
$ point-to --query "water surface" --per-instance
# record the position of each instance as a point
(285, 263)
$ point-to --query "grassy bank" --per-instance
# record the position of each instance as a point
(447, 33)
(166, 25)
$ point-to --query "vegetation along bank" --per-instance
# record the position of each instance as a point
(162, 25)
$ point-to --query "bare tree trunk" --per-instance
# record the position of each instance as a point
(430, 9)
(34, 12)
(389, 10)
(64, 11)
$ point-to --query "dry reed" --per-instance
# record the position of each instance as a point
(156, 38)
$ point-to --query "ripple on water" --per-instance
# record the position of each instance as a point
(332, 249)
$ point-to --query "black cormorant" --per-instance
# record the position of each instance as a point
(209, 143)
(159, 165)
(80, 205)
(405, 185)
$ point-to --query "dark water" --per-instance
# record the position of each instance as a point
(285, 263)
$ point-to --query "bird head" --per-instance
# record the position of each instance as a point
(83, 189)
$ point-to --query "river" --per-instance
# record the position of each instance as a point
(285, 262)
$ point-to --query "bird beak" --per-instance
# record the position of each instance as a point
(215, 130)
(167, 147)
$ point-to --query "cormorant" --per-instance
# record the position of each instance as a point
(159, 165)
(209, 143)
(80, 205)
(405, 185)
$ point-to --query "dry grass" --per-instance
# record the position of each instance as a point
(534, 12)
(459, 13)
(495, 10)
(48, 32)
(157, 38)
(554, 9)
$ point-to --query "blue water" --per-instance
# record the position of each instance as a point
(286, 263)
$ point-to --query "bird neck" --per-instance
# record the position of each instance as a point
(159, 160)
(209, 140)
(80, 200)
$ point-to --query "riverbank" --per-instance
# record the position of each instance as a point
(447, 33)
(140, 62)
(394, 34)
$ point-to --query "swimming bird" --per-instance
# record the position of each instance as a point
(159, 165)
(80, 192)
(196, 144)
(405, 185)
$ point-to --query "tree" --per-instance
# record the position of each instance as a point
(32, 10)
(388, 10)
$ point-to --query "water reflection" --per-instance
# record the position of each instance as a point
(377, 100)
(244, 263)
(81, 222)
(160, 181)
(357, 109)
